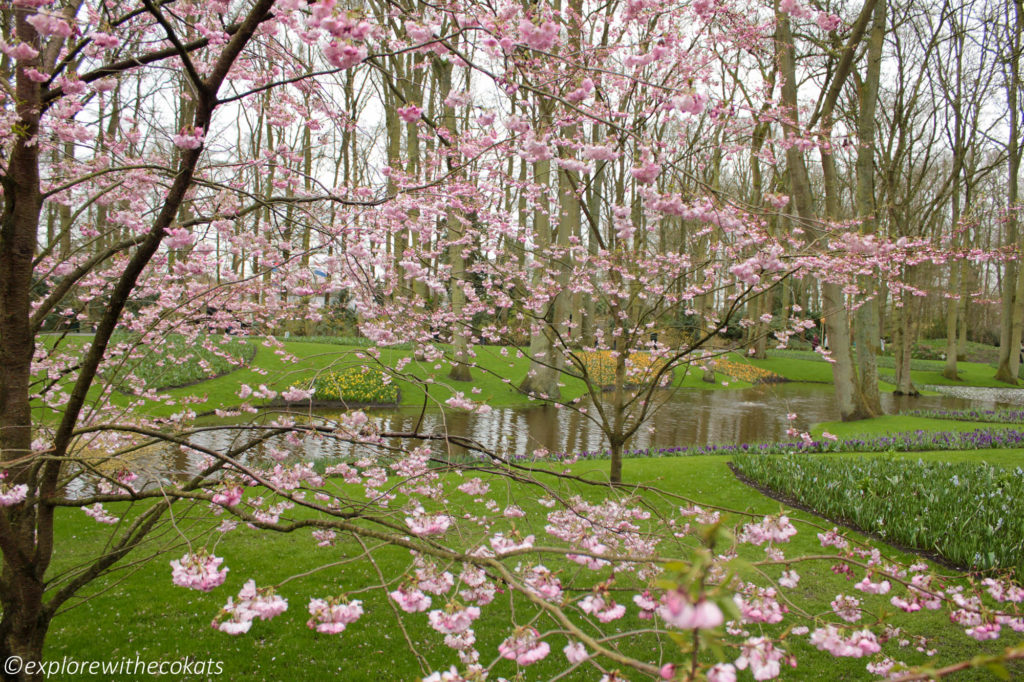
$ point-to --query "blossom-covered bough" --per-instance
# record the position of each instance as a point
(199, 168)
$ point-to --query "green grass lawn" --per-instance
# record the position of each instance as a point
(138, 612)
(495, 378)
(897, 422)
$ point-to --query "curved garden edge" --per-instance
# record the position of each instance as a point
(243, 365)
(790, 501)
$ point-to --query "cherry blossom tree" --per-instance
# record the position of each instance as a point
(199, 167)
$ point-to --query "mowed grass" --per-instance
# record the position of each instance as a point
(140, 613)
(496, 374)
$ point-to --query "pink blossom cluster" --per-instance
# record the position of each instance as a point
(524, 647)
(332, 615)
(410, 599)
(679, 611)
(543, 583)
(602, 606)
(11, 495)
(423, 524)
(771, 529)
(860, 642)
(453, 619)
(50, 25)
(538, 36)
(198, 571)
(762, 657)
(759, 604)
(237, 616)
(100, 514)
(189, 138)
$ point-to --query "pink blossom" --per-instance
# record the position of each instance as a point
(252, 603)
(544, 583)
(858, 644)
(453, 620)
(104, 41)
(189, 138)
(324, 537)
(794, 8)
(503, 544)
(100, 514)
(869, 587)
(538, 37)
(36, 75)
(759, 605)
(428, 524)
(789, 579)
(984, 631)
(600, 153)
(524, 647)
(677, 610)
(331, 616)
(833, 539)
(1003, 591)
(582, 92)
(460, 402)
(12, 495)
(771, 529)
(827, 22)
(847, 608)
(22, 51)
(198, 571)
(689, 103)
(646, 173)
(722, 672)
(410, 599)
(535, 150)
(646, 604)
(409, 114)
(229, 496)
(475, 486)
(762, 657)
(48, 25)
(344, 55)
(575, 652)
(602, 607)
(295, 394)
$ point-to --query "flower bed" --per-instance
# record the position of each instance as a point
(970, 514)
(992, 416)
(900, 441)
(356, 385)
(179, 362)
(600, 366)
(744, 372)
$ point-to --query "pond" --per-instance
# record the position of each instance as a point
(689, 418)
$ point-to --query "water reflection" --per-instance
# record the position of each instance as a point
(689, 418)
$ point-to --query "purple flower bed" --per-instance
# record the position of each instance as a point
(901, 441)
(994, 416)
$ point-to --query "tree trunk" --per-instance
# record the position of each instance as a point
(25, 621)
(545, 359)
(867, 329)
(1013, 278)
